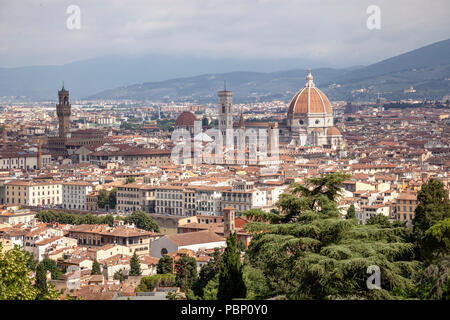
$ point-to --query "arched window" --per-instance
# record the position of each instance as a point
(163, 251)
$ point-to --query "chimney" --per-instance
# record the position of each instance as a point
(228, 221)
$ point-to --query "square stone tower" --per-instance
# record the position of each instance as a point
(63, 110)
(228, 221)
(225, 105)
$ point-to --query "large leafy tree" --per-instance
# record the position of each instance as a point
(102, 198)
(15, 283)
(433, 206)
(51, 265)
(185, 272)
(149, 283)
(308, 251)
(135, 266)
(231, 282)
(71, 218)
(256, 283)
(433, 282)
(112, 198)
(207, 273)
(165, 265)
(351, 212)
(211, 289)
(118, 275)
(107, 198)
(436, 241)
(142, 220)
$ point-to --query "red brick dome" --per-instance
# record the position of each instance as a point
(185, 119)
(333, 131)
(309, 100)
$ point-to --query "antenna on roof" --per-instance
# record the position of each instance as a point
(224, 85)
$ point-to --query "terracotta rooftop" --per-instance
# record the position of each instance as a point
(185, 239)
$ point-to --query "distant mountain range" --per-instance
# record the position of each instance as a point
(88, 77)
(427, 69)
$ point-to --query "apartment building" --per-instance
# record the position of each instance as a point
(244, 196)
(189, 201)
(368, 211)
(208, 200)
(33, 193)
(404, 207)
(129, 197)
(14, 215)
(75, 194)
(148, 198)
(92, 201)
(169, 200)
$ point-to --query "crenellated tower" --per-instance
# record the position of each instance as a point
(63, 110)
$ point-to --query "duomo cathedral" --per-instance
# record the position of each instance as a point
(309, 120)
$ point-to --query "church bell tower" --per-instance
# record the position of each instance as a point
(225, 105)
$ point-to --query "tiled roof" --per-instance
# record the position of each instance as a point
(185, 239)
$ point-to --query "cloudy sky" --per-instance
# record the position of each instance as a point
(334, 32)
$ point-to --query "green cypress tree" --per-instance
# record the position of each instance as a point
(135, 266)
(351, 212)
(231, 282)
(51, 265)
(41, 281)
(96, 268)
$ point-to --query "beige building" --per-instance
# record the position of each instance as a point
(92, 201)
(132, 156)
(107, 251)
(14, 215)
(136, 240)
(129, 197)
(22, 160)
(33, 193)
(6, 245)
(405, 205)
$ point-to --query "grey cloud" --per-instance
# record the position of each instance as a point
(34, 33)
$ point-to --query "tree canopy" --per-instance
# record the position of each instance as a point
(351, 212)
(142, 220)
(309, 252)
(208, 272)
(14, 281)
(185, 271)
(72, 218)
(165, 265)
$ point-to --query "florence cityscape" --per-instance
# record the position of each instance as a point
(250, 150)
